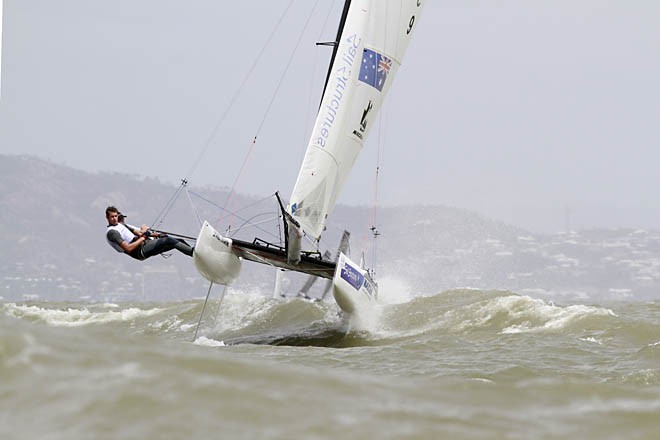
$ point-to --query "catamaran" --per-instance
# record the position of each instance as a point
(372, 38)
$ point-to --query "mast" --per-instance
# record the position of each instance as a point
(335, 44)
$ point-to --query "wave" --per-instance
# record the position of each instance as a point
(493, 312)
(72, 316)
(255, 319)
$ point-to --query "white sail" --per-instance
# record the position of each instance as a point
(374, 39)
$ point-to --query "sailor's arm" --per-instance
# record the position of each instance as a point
(144, 231)
(130, 247)
(137, 231)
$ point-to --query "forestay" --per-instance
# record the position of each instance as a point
(374, 39)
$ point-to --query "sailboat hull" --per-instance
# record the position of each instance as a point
(214, 258)
(353, 288)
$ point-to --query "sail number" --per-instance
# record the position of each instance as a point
(411, 23)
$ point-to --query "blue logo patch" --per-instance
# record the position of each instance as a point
(352, 276)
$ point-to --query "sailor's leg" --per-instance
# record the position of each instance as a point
(156, 246)
(164, 244)
(183, 247)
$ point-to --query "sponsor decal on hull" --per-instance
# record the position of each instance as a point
(352, 276)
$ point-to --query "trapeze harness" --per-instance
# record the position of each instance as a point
(126, 235)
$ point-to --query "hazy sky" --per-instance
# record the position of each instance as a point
(532, 112)
(1, 10)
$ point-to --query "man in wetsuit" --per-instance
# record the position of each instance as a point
(139, 243)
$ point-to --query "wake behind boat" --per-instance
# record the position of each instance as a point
(371, 41)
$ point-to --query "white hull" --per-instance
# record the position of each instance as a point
(214, 258)
(353, 288)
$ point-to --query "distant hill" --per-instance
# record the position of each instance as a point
(52, 236)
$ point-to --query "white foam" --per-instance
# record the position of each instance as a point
(207, 342)
(522, 314)
(468, 288)
(391, 291)
(186, 327)
(367, 319)
(241, 309)
(76, 317)
(171, 323)
(592, 339)
(482, 379)
(515, 329)
(539, 315)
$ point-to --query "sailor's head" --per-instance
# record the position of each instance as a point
(121, 217)
(112, 215)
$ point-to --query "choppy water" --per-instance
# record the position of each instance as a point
(461, 364)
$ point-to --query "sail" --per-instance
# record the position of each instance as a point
(375, 37)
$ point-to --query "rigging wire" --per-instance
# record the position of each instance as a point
(312, 115)
(374, 210)
(161, 216)
(168, 206)
(288, 65)
(379, 152)
(226, 209)
(250, 224)
(236, 212)
(207, 144)
(270, 104)
(192, 206)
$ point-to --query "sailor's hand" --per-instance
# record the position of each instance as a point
(146, 234)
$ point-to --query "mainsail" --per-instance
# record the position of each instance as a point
(374, 39)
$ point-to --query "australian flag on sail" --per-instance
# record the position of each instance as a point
(374, 69)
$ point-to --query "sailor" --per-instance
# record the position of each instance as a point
(122, 220)
(139, 243)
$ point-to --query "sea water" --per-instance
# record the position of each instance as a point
(459, 364)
